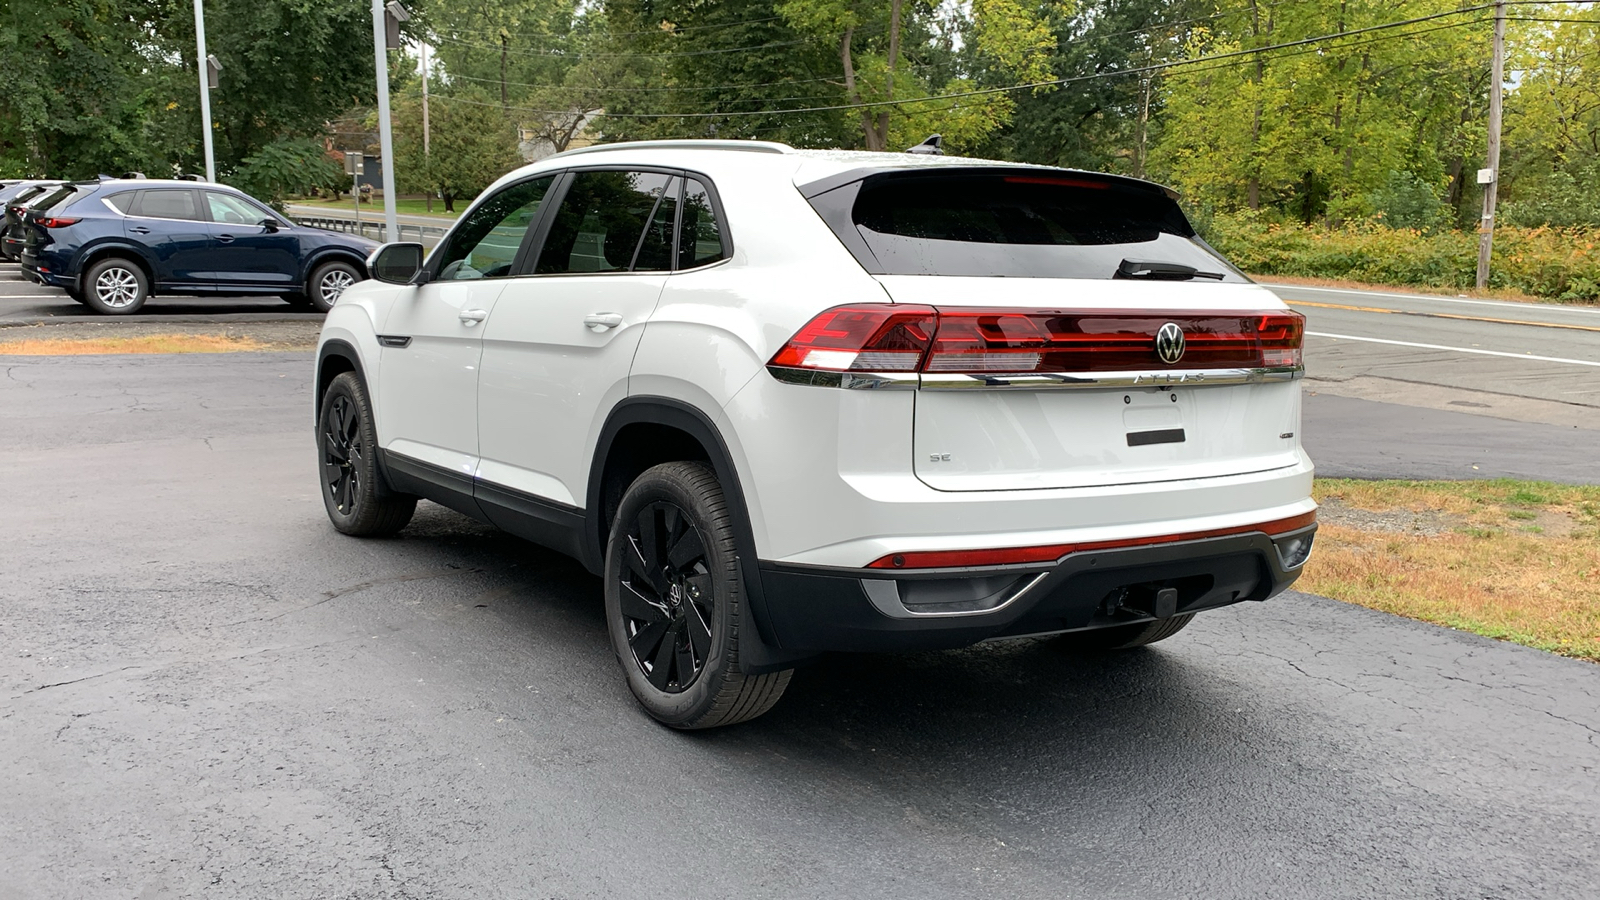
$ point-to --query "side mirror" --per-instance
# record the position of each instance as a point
(396, 263)
(269, 224)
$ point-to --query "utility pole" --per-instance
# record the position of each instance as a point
(204, 67)
(380, 49)
(427, 153)
(1490, 177)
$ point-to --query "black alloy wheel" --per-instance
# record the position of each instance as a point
(343, 455)
(358, 500)
(675, 603)
(667, 597)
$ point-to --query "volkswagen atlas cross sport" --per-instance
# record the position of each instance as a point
(787, 402)
(112, 244)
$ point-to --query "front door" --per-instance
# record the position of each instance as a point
(247, 253)
(433, 337)
(560, 343)
(168, 223)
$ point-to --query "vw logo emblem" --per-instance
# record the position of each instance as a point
(1169, 343)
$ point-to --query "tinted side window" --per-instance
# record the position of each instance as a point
(485, 244)
(600, 222)
(655, 251)
(122, 202)
(174, 204)
(701, 239)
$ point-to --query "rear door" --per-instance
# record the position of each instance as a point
(169, 223)
(560, 343)
(1086, 337)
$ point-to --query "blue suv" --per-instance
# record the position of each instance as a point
(112, 244)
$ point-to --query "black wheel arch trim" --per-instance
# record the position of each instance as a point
(327, 255)
(756, 656)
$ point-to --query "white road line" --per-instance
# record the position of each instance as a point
(1554, 359)
(1506, 303)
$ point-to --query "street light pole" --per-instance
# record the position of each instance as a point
(205, 88)
(1490, 177)
(380, 51)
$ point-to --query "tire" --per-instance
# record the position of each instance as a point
(675, 602)
(1123, 637)
(328, 281)
(115, 287)
(358, 500)
(77, 295)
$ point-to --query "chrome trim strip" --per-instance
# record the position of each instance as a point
(1032, 381)
(1092, 380)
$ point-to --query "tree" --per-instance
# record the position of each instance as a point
(472, 144)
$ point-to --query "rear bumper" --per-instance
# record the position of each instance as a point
(817, 609)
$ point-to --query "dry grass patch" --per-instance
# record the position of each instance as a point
(150, 343)
(1514, 560)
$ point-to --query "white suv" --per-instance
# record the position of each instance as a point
(788, 402)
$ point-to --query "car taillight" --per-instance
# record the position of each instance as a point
(867, 338)
(55, 222)
(989, 341)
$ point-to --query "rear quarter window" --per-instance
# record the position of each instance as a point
(1015, 224)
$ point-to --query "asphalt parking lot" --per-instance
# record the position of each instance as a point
(208, 692)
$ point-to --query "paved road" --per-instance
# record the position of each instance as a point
(1533, 362)
(207, 692)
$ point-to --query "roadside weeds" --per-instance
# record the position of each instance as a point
(1513, 560)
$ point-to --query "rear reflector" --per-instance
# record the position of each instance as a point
(957, 559)
(989, 341)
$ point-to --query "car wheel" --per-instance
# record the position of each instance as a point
(1123, 637)
(328, 282)
(76, 294)
(115, 287)
(358, 500)
(675, 603)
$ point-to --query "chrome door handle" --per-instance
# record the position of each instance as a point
(602, 321)
(471, 317)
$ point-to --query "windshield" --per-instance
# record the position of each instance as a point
(1027, 224)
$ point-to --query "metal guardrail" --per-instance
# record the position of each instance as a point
(427, 235)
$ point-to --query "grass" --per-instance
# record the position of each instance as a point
(152, 343)
(1513, 560)
(404, 206)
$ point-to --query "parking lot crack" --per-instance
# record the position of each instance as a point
(359, 587)
(45, 687)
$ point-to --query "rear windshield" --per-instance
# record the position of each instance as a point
(1024, 225)
(52, 199)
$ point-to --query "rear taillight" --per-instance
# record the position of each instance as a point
(55, 222)
(986, 341)
(868, 338)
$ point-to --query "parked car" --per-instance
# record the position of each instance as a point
(14, 200)
(787, 402)
(114, 243)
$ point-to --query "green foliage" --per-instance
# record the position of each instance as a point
(1406, 201)
(288, 168)
(472, 144)
(1559, 264)
(1562, 199)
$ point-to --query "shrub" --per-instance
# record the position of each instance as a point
(1406, 201)
(1556, 263)
(287, 168)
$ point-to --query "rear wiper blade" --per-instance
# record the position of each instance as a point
(1158, 270)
